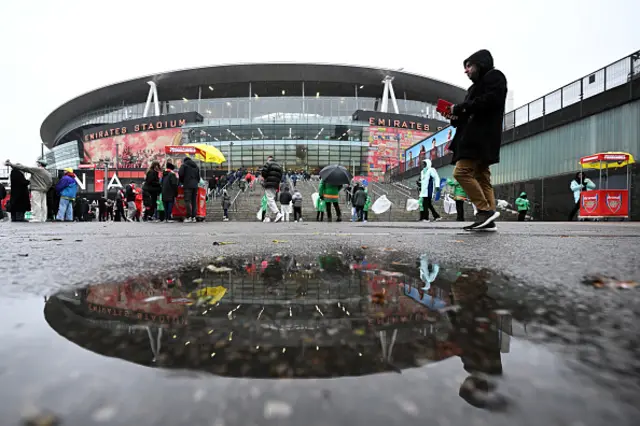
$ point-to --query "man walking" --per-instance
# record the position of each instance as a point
(41, 181)
(189, 176)
(130, 198)
(272, 175)
(476, 145)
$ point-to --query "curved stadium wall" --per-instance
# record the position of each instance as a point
(305, 125)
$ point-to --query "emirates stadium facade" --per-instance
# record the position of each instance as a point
(306, 115)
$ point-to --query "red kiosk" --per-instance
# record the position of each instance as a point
(179, 210)
(604, 202)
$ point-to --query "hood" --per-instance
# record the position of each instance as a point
(482, 59)
(189, 162)
(427, 163)
(524, 194)
(70, 174)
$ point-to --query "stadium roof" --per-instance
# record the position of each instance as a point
(176, 85)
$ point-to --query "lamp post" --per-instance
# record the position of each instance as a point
(230, 155)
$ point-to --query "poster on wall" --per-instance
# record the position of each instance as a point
(385, 146)
(135, 150)
(432, 147)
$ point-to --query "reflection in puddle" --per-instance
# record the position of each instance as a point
(290, 317)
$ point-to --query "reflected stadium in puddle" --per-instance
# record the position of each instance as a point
(288, 317)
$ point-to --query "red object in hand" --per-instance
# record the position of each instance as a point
(443, 107)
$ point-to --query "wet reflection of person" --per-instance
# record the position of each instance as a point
(478, 340)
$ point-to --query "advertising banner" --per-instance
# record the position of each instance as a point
(385, 147)
(134, 150)
(434, 146)
(604, 203)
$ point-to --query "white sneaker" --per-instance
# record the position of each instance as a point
(300, 220)
(279, 217)
(266, 220)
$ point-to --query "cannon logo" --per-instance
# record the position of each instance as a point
(614, 202)
(590, 203)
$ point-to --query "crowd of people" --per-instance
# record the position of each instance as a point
(475, 147)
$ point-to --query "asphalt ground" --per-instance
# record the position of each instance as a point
(577, 362)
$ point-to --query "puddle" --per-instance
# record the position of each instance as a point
(287, 317)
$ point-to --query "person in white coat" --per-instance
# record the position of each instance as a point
(41, 181)
(428, 272)
(579, 184)
(429, 185)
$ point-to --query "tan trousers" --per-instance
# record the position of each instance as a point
(475, 179)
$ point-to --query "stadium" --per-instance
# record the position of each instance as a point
(306, 115)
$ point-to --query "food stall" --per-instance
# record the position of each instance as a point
(202, 152)
(603, 202)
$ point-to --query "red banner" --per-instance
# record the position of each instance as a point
(604, 203)
(99, 181)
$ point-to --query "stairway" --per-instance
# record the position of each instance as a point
(246, 204)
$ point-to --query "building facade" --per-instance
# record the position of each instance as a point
(306, 115)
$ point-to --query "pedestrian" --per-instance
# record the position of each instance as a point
(226, 204)
(67, 188)
(189, 176)
(429, 186)
(330, 194)
(53, 199)
(169, 190)
(476, 145)
(522, 205)
(41, 181)
(102, 209)
(459, 196)
(359, 200)
(3, 195)
(119, 206)
(272, 175)
(151, 190)
(264, 206)
(578, 184)
(321, 206)
(130, 198)
(367, 206)
(20, 202)
(296, 198)
(285, 203)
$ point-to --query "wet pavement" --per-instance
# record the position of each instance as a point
(222, 324)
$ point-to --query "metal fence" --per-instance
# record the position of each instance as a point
(610, 77)
(607, 78)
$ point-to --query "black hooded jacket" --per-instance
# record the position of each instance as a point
(169, 186)
(272, 174)
(189, 174)
(479, 118)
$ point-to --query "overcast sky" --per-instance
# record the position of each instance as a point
(53, 51)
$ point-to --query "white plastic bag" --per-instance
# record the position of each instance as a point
(412, 204)
(381, 205)
(314, 199)
(475, 209)
(259, 215)
(502, 204)
(449, 205)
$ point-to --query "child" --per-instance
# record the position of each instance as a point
(285, 203)
(321, 206)
(297, 205)
(367, 206)
(522, 204)
(160, 209)
(263, 207)
(226, 203)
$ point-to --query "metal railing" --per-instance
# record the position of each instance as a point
(614, 75)
(607, 78)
